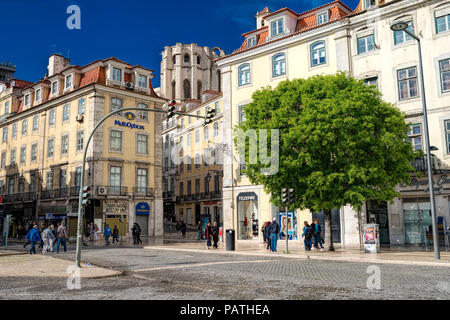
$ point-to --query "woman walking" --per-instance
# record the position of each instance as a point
(215, 234)
(208, 234)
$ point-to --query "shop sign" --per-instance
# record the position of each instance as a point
(247, 196)
(51, 216)
(128, 124)
(416, 183)
(142, 209)
(115, 207)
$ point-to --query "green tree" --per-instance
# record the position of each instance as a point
(339, 143)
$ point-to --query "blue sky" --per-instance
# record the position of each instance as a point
(135, 31)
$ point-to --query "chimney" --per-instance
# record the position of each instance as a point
(259, 17)
(56, 64)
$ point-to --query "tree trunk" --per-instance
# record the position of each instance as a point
(328, 231)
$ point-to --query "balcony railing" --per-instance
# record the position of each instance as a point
(117, 190)
(19, 197)
(420, 164)
(145, 192)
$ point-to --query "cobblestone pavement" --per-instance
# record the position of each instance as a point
(167, 275)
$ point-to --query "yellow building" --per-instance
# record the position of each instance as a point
(44, 138)
(197, 162)
(284, 45)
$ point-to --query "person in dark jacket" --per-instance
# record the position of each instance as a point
(274, 229)
(134, 233)
(183, 229)
(199, 230)
(106, 234)
(267, 235)
(317, 230)
(307, 235)
(208, 235)
(115, 234)
(138, 233)
(33, 236)
(215, 234)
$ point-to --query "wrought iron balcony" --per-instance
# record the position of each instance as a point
(145, 192)
(117, 190)
(437, 166)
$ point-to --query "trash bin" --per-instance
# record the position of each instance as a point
(230, 239)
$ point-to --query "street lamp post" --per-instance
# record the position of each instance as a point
(403, 26)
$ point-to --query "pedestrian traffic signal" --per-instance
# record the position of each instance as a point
(210, 114)
(284, 196)
(85, 195)
(291, 196)
(171, 111)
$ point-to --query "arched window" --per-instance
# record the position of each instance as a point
(198, 59)
(199, 89)
(318, 53)
(278, 65)
(216, 129)
(186, 58)
(219, 81)
(244, 74)
(174, 59)
(173, 89)
(187, 89)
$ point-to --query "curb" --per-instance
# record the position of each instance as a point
(311, 257)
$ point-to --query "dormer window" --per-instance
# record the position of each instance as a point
(55, 87)
(369, 4)
(117, 74)
(277, 27)
(38, 96)
(142, 82)
(322, 17)
(27, 99)
(251, 42)
(68, 81)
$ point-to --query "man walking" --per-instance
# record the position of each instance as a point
(199, 231)
(62, 237)
(33, 236)
(307, 234)
(215, 234)
(134, 233)
(274, 229)
(317, 230)
(115, 234)
(138, 234)
(48, 238)
(183, 229)
(107, 233)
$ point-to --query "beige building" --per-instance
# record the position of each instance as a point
(331, 38)
(44, 135)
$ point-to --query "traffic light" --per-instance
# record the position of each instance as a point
(210, 114)
(86, 195)
(171, 111)
(291, 196)
(284, 196)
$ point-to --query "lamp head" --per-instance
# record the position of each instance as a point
(399, 26)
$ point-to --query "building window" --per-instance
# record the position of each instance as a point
(197, 136)
(318, 53)
(197, 186)
(21, 186)
(251, 42)
(181, 189)
(366, 44)
(199, 60)
(322, 18)
(115, 141)
(186, 58)
(49, 181)
(25, 127)
(197, 161)
(51, 117)
(55, 87)
(244, 74)
(142, 115)
(6, 108)
(27, 100)
(142, 143)
(182, 124)
(187, 89)
(189, 163)
(50, 147)
(373, 81)
(116, 104)
(217, 107)
(444, 69)
(80, 140)
(115, 178)
(242, 117)
(206, 133)
(35, 123)
(81, 106)
(442, 19)
(117, 74)
(219, 81)
(66, 112)
(68, 81)
(188, 140)
(37, 97)
(402, 36)
(143, 83)
(62, 178)
(3, 161)
(32, 186)
(64, 144)
(199, 89)
(415, 136)
(279, 65)
(142, 180)
(34, 147)
(369, 4)
(447, 134)
(407, 83)
(5, 134)
(11, 182)
(78, 176)
(14, 131)
(276, 27)
(13, 157)
(189, 187)
(216, 129)
(181, 165)
(23, 154)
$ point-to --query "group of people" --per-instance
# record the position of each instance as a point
(181, 227)
(211, 233)
(47, 238)
(312, 235)
(270, 232)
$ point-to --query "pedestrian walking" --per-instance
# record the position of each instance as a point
(48, 238)
(96, 230)
(91, 232)
(307, 235)
(183, 229)
(134, 233)
(178, 227)
(208, 234)
(41, 242)
(317, 235)
(199, 231)
(107, 233)
(138, 233)
(62, 237)
(267, 236)
(115, 234)
(215, 234)
(274, 229)
(33, 236)
(29, 227)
